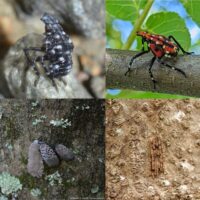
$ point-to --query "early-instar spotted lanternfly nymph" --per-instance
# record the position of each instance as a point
(57, 47)
(160, 46)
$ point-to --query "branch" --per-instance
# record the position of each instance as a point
(169, 81)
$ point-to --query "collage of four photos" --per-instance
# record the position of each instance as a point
(99, 100)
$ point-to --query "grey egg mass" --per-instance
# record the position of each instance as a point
(40, 151)
(35, 165)
(64, 153)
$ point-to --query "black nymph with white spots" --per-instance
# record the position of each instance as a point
(57, 47)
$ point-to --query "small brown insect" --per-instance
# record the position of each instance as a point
(156, 157)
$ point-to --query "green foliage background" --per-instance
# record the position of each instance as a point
(164, 22)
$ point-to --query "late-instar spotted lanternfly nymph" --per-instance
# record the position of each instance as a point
(160, 46)
(57, 47)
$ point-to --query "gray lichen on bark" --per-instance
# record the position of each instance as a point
(84, 137)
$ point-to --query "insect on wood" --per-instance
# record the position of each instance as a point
(156, 157)
(160, 46)
(56, 50)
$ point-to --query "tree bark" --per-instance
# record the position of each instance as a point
(168, 80)
(23, 121)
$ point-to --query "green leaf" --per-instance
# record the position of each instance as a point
(131, 94)
(125, 9)
(192, 7)
(113, 36)
(169, 23)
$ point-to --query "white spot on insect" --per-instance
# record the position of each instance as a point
(62, 59)
(58, 47)
(63, 33)
(56, 66)
(70, 41)
(173, 68)
(166, 51)
(69, 68)
(57, 36)
(164, 46)
(47, 42)
(67, 52)
(53, 51)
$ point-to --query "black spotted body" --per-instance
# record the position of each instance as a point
(160, 46)
(48, 154)
(56, 50)
(58, 47)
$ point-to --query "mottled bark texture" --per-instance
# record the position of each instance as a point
(22, 122)
(83, 17)
(152, 149)
(169, 81)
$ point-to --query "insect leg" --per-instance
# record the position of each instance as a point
(150, 72)
(133, 58)
(28, 57)
(185, 52)
(174, 68)
(53, 74)
(41, 60)
(54, 84)
(138, 55)
(63, 80)
(143, 41)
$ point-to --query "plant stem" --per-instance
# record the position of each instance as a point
(137, 25)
